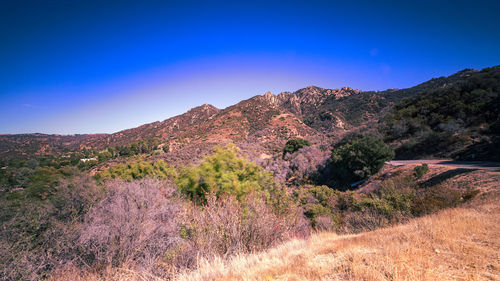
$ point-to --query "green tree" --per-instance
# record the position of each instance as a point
(135, 148)
(223, 172)
(104, 156)
(112, 151)
(419, 171)
(124, 150)
(359, 159)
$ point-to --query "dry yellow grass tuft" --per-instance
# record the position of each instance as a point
(455, 244)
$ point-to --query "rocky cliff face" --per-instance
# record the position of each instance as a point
(309, 97)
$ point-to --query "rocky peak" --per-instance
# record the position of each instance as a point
(310, 94)
(208, 108)
(346, 91)
(201, 113)
(268, 95)
(271, 99)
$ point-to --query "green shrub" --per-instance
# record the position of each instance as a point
(223, 172)
(104, 156)
(421, 170)
(436, 198)
(359, 159)
(138, 170)
(318, 203)
(390, 201)
(292, 146)
(83, 166)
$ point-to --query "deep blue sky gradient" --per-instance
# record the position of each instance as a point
(103, 66)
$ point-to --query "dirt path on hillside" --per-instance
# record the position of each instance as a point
(475, 165)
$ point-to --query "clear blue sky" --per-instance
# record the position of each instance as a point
(102, 66)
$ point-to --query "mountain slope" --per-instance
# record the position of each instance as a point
(264, 123)
(161, 129)
(461, 119)
(29, 145)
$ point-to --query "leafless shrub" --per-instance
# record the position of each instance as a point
(303, 165)
(135, 224)
(325, 222)
(225, 227)
(279, 167)
(307, 160)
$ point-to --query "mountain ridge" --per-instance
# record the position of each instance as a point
(325, 115)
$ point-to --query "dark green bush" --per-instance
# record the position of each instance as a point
(421, 170)
(292, 146)
(359, 159)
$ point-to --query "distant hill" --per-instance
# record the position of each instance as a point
(460, 112)
(29, 145)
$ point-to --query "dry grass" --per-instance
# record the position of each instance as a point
(455, 244)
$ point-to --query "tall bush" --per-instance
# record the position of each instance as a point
(223, 172)
(359, 159)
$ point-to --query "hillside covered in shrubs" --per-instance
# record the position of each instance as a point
(460, 120)
(160, 221)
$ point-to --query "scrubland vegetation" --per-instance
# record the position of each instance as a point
(443, 121)
(156, 222)
(303, 197)
(223, 206)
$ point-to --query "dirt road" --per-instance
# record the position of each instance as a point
(475, 165)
